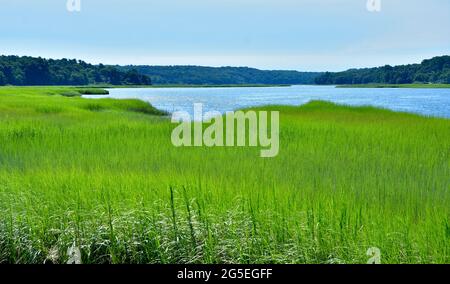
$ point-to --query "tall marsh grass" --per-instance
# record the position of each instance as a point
(107, 181)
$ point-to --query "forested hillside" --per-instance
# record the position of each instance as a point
(435, 70)
(198, 75)
(15, 70)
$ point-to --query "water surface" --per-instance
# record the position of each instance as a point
(430, 102)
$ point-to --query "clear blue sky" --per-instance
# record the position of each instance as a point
(313, 35)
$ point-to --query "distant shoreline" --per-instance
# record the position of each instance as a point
(101, 86)
(199, 86)
(92, 88)
(407, 86)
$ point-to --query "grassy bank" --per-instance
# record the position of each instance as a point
(410, 86)
(66, 91)
(102, 175)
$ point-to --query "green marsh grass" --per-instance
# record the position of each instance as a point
(92, 91)
(103, 175)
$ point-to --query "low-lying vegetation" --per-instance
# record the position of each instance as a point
(92, 91)
(101, 176)
(63, 91)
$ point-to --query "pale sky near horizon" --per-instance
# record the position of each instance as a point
(304, 35)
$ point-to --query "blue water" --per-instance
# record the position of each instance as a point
(429, 102)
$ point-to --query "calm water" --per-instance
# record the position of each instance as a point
(431, 102)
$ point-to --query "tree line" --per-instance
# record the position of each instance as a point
(15, 70)
(199, 75)
(434, 70)
(32, 71)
